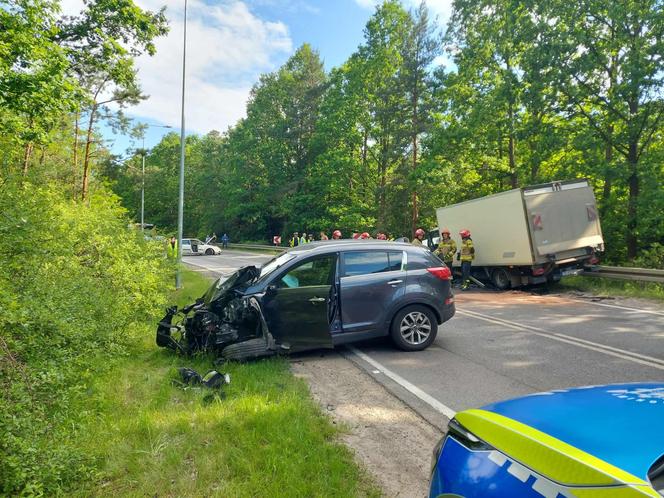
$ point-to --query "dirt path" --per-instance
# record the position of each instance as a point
(392, 441)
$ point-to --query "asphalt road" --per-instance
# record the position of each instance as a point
(506, 344)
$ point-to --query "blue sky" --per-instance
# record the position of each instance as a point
(230, 43)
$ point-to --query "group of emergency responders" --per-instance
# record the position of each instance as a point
(447, 249)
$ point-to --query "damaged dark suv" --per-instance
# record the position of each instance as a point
(318, 296)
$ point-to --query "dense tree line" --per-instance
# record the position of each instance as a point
(76, 285)
(529, 92)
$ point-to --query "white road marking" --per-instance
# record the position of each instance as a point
(428, 399)
(582, 343)
(633, 310)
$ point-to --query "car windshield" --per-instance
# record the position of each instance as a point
(275, 263)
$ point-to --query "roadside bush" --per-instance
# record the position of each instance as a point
(76, 288)
(651, 258)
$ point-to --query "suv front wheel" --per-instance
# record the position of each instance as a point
(414, 328)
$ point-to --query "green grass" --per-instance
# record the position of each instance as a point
(613, 287)
(267, 437)
(194, 285)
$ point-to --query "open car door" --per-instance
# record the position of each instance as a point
(299, 301)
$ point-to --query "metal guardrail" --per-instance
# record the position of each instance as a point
(625, 273)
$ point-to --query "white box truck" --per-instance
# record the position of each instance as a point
(529, 235)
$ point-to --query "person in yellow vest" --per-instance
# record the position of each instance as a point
(172, 248)
(466, 255)
(295, 240)
(419, 236)
(447, 248)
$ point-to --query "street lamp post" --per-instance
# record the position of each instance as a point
(178, 280)
(145, 126)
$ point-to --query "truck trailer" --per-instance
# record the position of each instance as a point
(529, 235)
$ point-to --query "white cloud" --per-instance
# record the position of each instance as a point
(227, 48)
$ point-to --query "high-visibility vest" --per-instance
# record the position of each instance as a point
(467, 250)
(172, 249)
(303, 240)
(446, 249)
(294, 241)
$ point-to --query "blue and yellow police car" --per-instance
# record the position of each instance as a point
(587, 442)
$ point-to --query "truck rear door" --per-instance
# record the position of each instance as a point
(563, 219)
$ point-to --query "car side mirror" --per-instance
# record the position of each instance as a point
(271, 289)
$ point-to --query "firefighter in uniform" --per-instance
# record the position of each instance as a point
(466, 255)
(419, 235)
(447, 248)
(336, 235)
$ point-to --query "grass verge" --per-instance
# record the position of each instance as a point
(265, 438)
(613, 287)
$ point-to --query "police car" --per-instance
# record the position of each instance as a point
(588, 442)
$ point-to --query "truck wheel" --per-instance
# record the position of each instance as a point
(414, 328)
(501, 278)
(247, 350)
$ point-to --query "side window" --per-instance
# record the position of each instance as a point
(185, 242)
(311, 273)
(364, 263)
(395, 260)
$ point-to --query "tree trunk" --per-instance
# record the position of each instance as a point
(42, 156)
(26, 157)
(608, 173)
(86, 159)
(514, 179)
(633, 183)
(415, 214)
(74, 177)
(382, 170)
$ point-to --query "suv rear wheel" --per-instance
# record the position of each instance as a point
(414, 328)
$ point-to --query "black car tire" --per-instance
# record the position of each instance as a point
(500, 278)
(247, 350)
(209, 251)
(415, 317)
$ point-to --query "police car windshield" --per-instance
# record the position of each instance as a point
(275, 263)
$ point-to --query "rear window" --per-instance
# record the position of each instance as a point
(368, 262)
(420, 260)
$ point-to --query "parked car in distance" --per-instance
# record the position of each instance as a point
(318, 295)
(193, 247)
(587, 442)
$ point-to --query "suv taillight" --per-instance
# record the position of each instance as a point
(442, 272)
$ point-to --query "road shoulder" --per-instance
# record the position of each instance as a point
(391, 440)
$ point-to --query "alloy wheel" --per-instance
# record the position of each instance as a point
(415, 328)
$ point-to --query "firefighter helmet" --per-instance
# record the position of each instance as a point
(419, 233)
(464, 233)
(365, 235)
(336, 234)
(381, 236)
(445, 231)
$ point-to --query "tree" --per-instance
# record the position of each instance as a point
(420, 49)
(605, 60)
(102, 43)
(35, 89)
